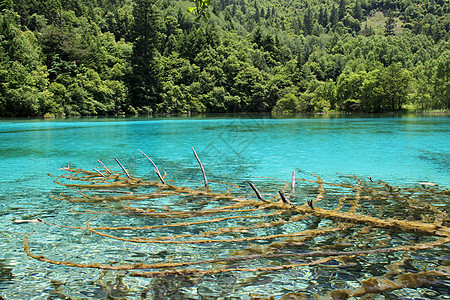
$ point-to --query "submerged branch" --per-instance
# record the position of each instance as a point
(337, 222)
(137, 266)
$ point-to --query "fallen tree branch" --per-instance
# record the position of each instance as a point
(107, 170)
(156, 168)
(284, 199)
(126, 172)
(99, 172)
(201, 167)
(258, 194)
(291, 193)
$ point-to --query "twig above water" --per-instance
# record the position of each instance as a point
(201, 167)
(258, 194)
(156, 168)
(99, 172)
(126, 172)
(107, 170)
(284, 199)
(291, 193)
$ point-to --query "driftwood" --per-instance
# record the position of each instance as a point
(355, 213)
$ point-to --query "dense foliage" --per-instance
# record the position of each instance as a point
(80, 57)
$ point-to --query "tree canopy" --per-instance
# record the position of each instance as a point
(82, 57)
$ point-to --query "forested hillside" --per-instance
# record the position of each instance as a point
(98, 57)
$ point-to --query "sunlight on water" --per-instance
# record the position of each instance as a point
(401, 150)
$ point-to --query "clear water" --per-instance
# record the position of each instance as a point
(400, 149)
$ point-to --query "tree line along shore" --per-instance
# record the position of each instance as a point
(80, 57)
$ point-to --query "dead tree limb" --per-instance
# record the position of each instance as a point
(258, 194)
(156, 168)
(284, 199)
(291, 193)
(201, 167)
(107, 170)
(99, 172)
(126, 172)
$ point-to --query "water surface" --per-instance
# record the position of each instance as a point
(400, 149)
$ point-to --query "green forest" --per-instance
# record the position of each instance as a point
(115, 57)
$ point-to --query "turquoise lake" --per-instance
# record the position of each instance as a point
(401, 150)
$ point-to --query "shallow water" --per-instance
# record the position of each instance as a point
(399, 149)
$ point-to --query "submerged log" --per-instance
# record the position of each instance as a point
(352, 221)
(427, 184)
(38, 220)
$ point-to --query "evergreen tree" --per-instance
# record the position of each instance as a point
(7, 4)
(342, 9)
(257, 14)
(357, 11)
(367, 30)
(308, 21)
(257, 36)
(233, 9)
(323, 16)
(297, 25)
(334, 18)
(243, 8)
(145, 80)
(229, 19)
(389, 25)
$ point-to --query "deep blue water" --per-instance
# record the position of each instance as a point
(400, 149)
